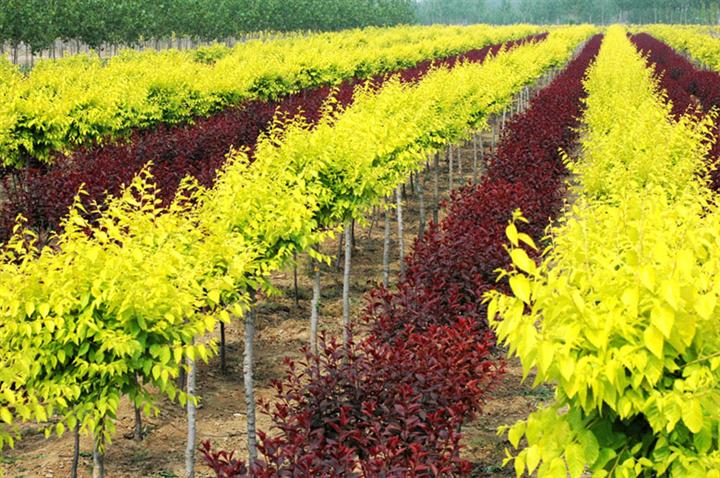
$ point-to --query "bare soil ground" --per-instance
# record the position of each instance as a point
(282, 329)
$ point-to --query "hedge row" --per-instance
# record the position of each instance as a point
(686, 86)
(43, 194)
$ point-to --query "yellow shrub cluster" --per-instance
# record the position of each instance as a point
(621, 314)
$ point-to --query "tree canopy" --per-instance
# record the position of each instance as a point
(38, 22)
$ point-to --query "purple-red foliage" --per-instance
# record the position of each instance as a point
(392, 405)
(223, 463)
(688, 88)
(43, 195)
(379, 409)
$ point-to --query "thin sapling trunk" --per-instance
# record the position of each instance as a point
(386, 249)
(346, 284)
(401, 242)
(314, 305)
(248, 379)
(191, 420)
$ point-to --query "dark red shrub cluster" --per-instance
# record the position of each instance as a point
(43, 195)
(688, 88)
(377, 409)
(392, 404)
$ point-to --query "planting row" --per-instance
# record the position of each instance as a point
(394, 402)
(79, 100)
(697, 42)
(621, 312)
(115, 306)
(43, 195)
(687, 87)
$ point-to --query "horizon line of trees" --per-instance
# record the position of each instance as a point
(38, 23)
(568, 11)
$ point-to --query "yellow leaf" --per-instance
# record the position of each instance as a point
(5, 415)
(654, 341)
(575, 457)
(520, 287)
(631, 298)
(671, 294)
(523, 261)
(705, 305)
(567, 367)
(527, 240)
(214, 296)
(692, 415)
(519, 465)
(515, 434)
(492, 310)
(647, 278)
(44, 309)
(512, 234)
(545, 357)
(663, 318)
(533, 458)
(578, 300)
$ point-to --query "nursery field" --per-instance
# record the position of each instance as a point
(390, 252)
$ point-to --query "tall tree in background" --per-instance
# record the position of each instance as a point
(95, 22)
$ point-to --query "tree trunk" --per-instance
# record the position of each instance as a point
(458, 159)
(191, 421)
(248, 379)
(98, 457)
(527, 97)
(421, 199)
(373, 220)
(76, 451)
(346, 284)
(450, 168)
(341, 238)
(138, 434)
(436, 189)
(314, 305)
(352, 234)
(295, 280)
(401, 242)
(182, 375)
(386, 249)
(223, 360)
(475, 158)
